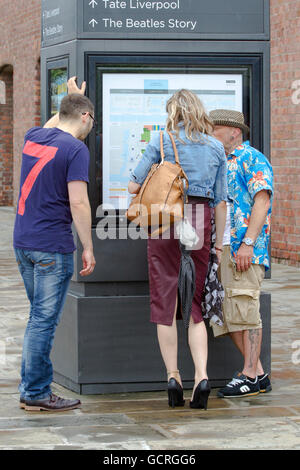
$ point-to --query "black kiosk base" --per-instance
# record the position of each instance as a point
(105, 342)
(108, 345)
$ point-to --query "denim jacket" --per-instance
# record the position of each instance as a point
(204, 163)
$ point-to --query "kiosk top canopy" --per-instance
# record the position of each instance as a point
(64, 20)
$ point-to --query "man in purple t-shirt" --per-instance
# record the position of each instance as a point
(53, 193)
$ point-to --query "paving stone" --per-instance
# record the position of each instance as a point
(126, 445)
(90, 435)
(181, 417)
(29, 436)
(236, 434)
(29, 420)
(110, 397)
(152, 406)
(267, 400)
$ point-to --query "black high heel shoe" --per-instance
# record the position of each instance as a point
(175, 393)
(201, 395)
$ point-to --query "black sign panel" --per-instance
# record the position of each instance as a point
(174, 18)
(58, 21)
(63, 20)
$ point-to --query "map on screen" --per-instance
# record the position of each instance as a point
(134, 109)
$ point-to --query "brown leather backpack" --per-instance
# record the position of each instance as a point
(159, 202)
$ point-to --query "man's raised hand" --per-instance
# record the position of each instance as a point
(73, 88)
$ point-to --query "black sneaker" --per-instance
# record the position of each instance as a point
(236, 375)
(264, 383)
(240, 386)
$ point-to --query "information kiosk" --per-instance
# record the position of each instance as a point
(134, 54)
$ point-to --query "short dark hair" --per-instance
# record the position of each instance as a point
(73, 105)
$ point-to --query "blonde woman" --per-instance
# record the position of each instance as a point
(203, 159)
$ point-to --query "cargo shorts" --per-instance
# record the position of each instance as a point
(241, 306)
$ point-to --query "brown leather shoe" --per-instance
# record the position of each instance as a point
(22, 404)
(53, 403)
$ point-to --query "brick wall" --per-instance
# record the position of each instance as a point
(285, 129)
(20, 26)
(6, 140)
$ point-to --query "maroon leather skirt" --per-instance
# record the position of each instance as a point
(164, 264)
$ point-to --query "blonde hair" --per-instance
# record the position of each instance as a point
(184, 106)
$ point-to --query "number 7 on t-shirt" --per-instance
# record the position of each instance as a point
(44, 154)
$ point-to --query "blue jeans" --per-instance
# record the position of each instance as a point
(46, 278)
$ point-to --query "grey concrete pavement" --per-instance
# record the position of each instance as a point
(144, 420)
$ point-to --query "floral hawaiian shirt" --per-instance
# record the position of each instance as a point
(249, 172)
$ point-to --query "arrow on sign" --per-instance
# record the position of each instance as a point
(93, 3)
(93, 22)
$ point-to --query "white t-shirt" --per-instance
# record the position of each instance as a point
(226, 239)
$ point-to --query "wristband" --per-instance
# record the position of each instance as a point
(219, 249)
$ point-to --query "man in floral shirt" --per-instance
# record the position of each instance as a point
(245, 250)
